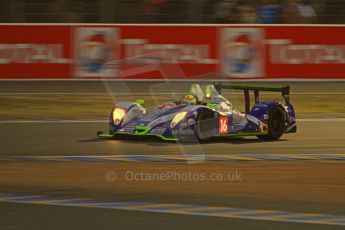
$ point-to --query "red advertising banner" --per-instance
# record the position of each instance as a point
(283, 52)
(316, 52)
(175, 52)
(35, 51)
(145, 52)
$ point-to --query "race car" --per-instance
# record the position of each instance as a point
(205, 114)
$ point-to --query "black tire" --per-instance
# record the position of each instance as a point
(276, 124)
(204, 125)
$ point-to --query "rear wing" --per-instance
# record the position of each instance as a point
(285, 91)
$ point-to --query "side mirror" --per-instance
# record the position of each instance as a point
(140, 101)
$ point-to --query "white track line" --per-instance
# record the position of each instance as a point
(321, 119)
(181, 209)
(175, 155)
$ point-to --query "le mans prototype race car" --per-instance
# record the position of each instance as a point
(205, 114)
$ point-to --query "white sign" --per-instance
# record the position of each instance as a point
(242, 52)
(96, 51)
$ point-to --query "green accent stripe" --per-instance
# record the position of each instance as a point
(141, 130)
(212, 105)
(251, 87)
(146, 134)
(241, 134)
(137, 134)
(175, 139)
(103, 135)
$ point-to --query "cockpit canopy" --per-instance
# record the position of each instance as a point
(197, 92)
(212, 96)
(209, 95)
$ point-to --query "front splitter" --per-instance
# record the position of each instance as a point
(129, 135)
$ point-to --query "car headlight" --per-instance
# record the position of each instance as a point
(118, 115)
(178, 117)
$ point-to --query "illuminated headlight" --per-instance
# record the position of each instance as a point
(118, 115)
(178, 117)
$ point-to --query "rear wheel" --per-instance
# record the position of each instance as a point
(276, 124)
(203, 127)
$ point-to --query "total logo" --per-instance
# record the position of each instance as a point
(242, 52)
(94, 52)
(96, 47)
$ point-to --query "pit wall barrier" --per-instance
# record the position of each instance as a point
(174, 52)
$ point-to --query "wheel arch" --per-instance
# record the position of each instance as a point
(130, 113)
(260, 109)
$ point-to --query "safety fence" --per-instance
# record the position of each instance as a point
(174, 52)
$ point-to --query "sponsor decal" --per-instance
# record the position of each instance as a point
(96, 51)
(254, 120)
(168, 105)
(261, 105)
(285, 51)
(158, 130)
(181, 52)
(32, 53)
(160, 120)
(238, 118)
(223, 125)
(183, 125)
(142, 51)
(191, 121)
(242, 52)
(262, 128)
(35, 52)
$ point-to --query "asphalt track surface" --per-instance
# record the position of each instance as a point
(318, 136)
(26, 216)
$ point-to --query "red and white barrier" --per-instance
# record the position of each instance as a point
(175, 52)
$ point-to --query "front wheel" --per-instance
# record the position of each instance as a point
(203, 127)
(276, 124)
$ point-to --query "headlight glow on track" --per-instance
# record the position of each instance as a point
(178, 117)
(118, 115)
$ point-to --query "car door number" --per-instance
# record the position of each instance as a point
(223, 125)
